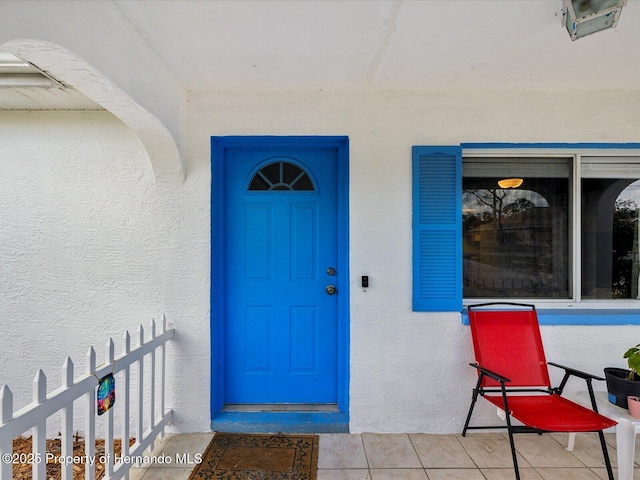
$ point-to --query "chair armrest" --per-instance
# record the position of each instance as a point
(586, 376)
(490, 374)
(576, 373)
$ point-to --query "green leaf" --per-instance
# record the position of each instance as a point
(631, 351)
(634, 363)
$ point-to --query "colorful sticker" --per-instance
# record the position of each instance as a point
(106, 393)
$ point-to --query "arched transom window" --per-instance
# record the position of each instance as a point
(281, 176)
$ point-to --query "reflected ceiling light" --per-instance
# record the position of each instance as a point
(584, 17)
(510, 182)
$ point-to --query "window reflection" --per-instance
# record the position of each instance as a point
(516, 241)
(610, 238)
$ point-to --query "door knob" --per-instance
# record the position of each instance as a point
(331, 289)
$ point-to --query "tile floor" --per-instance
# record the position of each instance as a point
(478, 456)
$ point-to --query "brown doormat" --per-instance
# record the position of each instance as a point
(233, 456)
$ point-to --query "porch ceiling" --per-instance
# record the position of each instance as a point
(470, 44)
(333, 44)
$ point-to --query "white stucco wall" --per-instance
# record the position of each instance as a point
(91, 245)
(409, 371)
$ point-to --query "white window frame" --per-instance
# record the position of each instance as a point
(575, 154)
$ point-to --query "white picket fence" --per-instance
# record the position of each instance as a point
(148, 424)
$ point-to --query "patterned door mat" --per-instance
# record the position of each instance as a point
(233, 456)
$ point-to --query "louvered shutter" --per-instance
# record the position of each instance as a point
(437, 228)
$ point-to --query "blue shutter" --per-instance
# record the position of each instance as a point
(437, 229)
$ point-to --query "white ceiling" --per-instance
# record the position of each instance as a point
(384, 43)
(331, 44)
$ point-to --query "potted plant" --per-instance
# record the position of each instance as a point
(622, 383)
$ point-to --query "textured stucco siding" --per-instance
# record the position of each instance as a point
(91, 244)
(409, 370)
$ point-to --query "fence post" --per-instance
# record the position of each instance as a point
(140, 425)
(108, 430)
(39, 437)
(90, 421)
(163, 359)
(152, 388)
(6, 446)
(124, 443)
(67, 422)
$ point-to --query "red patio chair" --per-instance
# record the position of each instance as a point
(513, 375)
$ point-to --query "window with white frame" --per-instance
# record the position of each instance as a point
(562, 227)
(610, 199)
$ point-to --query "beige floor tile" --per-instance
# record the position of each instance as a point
(508, 474)
(390, 451)
(137, 473)
(602, 473)
(610, 438)
(188, 443)
(402, 456)
(160, 444)
(544, 451)
(167, 474)
(339, 474)
(441, 451)
(587, 449)
(341, 450)
(398, 474)
(454, 474)
(490, 450)
(567, 474)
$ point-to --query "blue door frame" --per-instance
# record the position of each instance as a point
(318, 421)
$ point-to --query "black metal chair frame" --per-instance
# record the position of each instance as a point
(479, 390)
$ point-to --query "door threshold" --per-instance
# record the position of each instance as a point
(280, 421)
(281, 407)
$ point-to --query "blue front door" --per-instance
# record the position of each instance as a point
(281, 276)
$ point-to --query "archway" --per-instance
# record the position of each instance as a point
(160, 143)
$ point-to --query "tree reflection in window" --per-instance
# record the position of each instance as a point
(610, 253)
(281, 176)
(512, 239)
